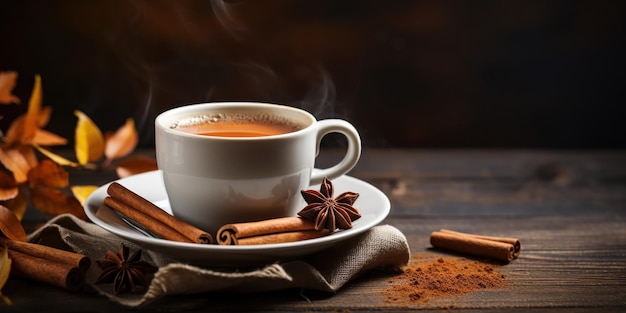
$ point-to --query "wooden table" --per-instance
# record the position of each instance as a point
(567, 207)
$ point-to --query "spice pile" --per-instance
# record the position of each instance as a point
(425, 279)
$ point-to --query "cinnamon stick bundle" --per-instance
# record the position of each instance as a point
(499, 248)
(278, 230)
(150, 216)
(49, 253)
(46, 264)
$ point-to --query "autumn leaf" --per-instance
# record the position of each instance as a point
(55, 157)
(89, 141)
(11, 197)
(46, 138)
(15, 135)
(31, 122)
(8, 187)
(17, 205)
(122, 142)
(55, 202)
(135, 165)
(11, 226)
(7, 83)
(19, 161)
(83, 192)
(5, 270)
(49, 174)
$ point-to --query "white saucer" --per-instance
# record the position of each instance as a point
(372, 203)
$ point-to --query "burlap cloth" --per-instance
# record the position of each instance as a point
(382, 246)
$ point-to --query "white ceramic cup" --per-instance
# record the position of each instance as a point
(211, 181)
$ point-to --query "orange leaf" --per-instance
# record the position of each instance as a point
(11, 226)
(7, 83)
(54, 202)
(17, 205)
(89, 144)
(44, 116)
(135, 165)
(16, 132)
(123, 141)
(46, 138)
(32, 115)
(7, 193)
(19, 161)
(8, 187)
(48, 173)
(83, 192)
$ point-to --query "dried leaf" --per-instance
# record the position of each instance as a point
(19, 161)
(7, 83)
(44, 116)
(83, 192)
(55, 202)
(55, 157)
(135, 165)
(48, 174)
(11, 226)
(18, 204)
(14, 132)
(31, 121)
(8, 187)
(123, 141)
(5, 271)
(8, 193)
(89, 141)
(46, 138)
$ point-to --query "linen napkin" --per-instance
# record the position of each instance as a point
(328, 270)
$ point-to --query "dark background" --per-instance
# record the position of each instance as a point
(419, 74)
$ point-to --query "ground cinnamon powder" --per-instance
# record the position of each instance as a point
(426, 278)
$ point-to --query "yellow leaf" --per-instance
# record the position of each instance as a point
(32, 115)
(7, 83)
(89, 141)
(5, 270)
(122, 142)
(83, 192)
(11, 226)
(135, 165)
(55, 157)
(54, 202)
(49, 174)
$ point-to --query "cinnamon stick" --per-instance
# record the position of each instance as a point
(514, 241)
(278, 230)
(56, 273)
(49, 253)
(146, 221)
(473, 244)
(157, 219)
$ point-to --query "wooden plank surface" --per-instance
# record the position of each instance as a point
(567, 207)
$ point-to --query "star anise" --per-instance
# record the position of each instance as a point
(123, 271)
(328, 212)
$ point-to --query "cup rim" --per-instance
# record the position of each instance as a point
(161, 119)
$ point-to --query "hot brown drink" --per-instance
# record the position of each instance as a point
(236, 125)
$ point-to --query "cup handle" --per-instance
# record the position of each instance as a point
(352, 154)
